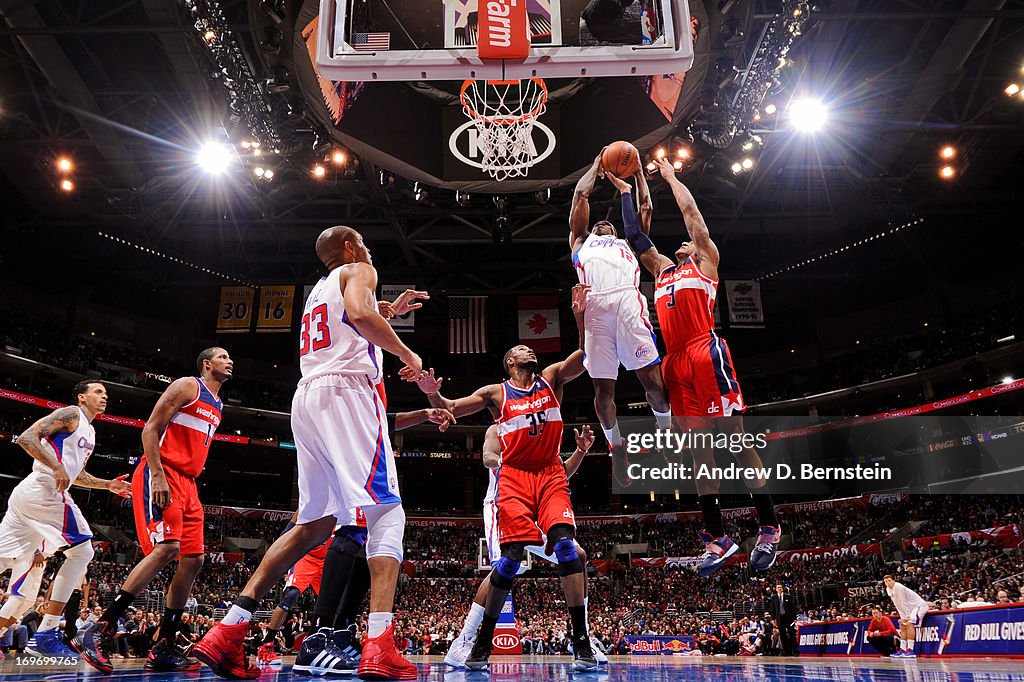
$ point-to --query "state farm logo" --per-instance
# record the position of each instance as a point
(505, 641)
(465, 145)
(644, 351)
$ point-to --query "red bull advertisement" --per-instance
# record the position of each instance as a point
(984, 631)
(657, 645)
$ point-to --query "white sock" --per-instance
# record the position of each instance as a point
(910, 644)
(49, 623)
(586, 609)
(664, 418)
(236, 615)
(612, 435)
(473, 620)
(377, 623)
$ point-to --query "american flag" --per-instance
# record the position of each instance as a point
(371, 41)
(467, 324)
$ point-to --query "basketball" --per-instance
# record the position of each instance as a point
(621, 158)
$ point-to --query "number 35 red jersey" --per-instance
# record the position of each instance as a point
(186, 442)
(530, 426)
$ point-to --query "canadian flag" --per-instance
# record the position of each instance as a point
(538, 323)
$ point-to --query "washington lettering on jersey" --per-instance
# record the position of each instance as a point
(606, 263)
(329, 343)
(529, 426)
(71, 449)
(185, 443)
(685, 299)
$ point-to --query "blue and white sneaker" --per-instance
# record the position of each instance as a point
(458, 652)
(897, 654)
(908, 653)
(321, 654)
(766, 549)
(49, 643)
(716, 551)
(598, 649)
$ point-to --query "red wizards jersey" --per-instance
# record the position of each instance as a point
(186, 442)
(685, 300)
(530, 426)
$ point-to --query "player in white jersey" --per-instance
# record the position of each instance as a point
(344, 456)
(41, 513)
(26, 579)
(463, 644)
(618, 328)
(912, 608)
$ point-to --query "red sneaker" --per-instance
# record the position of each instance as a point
(381, 660)
(267, 656)
(223, 649)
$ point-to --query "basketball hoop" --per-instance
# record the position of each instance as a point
(503, 113)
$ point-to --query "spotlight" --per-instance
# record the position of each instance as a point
(209, 36)
(1012, 89)
(214, 157)
(947, 172)
(683, 153)
(338, 157)
(748, 164)
(737, 168)
(259, 172)
(651, 166)
(748, 145)
(64, 164)
(319, 171)
(1007, 380)
(807, 115)
(268, 174)
(67, 185)
(256, 151)
(660, 153)
(678, 165)
(948, 152)
(770, 109)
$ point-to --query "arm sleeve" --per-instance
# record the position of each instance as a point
(634, 235)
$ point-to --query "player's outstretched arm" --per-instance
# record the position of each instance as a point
(584, 441)
(492, 448)
(64, 420)
(358, 282)
(435, 415)
(695, 225)
(579, 214)
(637, 238)
(488, 396)
(118, 486)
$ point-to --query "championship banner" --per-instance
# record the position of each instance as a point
(400, 323)
(275, 311)
(984, 631)
(743, 296)
(659, 645)
(539, 324)
(235, 312)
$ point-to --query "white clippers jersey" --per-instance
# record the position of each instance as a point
(328, 342)
(905, 599)
(606, 263)
(71, 449)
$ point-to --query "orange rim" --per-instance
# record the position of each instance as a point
(471, 111)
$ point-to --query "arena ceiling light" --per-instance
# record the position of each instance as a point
(807, 115)
(214, 157)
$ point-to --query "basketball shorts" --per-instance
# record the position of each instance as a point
(308, 570)
(617, 331)
(343, 449)
(916, 616)
(700, 380)
(182, 520)
(39, 516)
(494, 547)
(529, 501)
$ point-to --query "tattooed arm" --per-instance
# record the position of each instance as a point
(64, 420)
(117, 485)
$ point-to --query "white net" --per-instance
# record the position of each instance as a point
(503, 113)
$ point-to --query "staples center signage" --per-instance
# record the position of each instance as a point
(462, 160)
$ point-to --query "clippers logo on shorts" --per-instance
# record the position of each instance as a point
(186, 442)
(530, 426)
(645, 351)
(685, 301)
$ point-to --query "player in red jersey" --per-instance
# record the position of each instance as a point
(533, 491)
(697, 367)
(168, 515)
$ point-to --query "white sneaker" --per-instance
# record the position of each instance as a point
(459, 651)
(598, 650)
